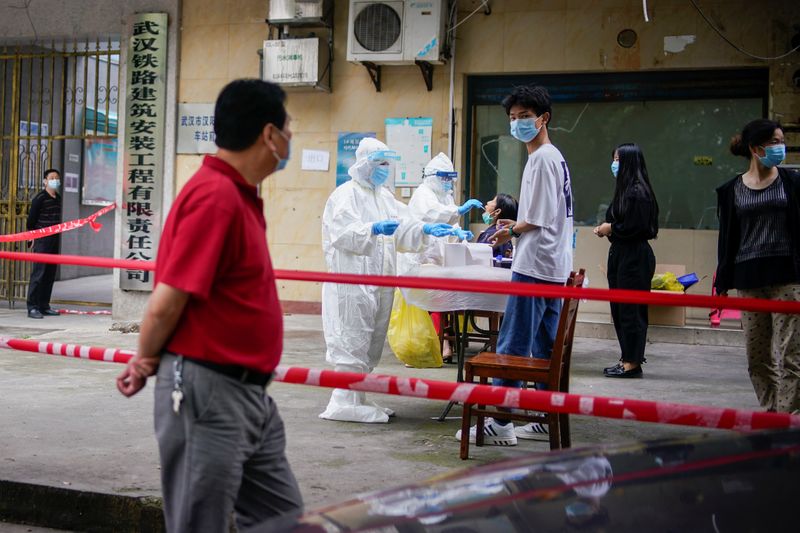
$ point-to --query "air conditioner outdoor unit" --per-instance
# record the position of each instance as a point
(396, 32)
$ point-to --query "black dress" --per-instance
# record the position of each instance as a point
(631, 264)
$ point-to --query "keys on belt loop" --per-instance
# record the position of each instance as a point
(177, 389)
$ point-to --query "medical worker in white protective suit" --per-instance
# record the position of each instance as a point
(433, 202)
(363, 227)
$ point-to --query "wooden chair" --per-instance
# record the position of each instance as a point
(554, 372)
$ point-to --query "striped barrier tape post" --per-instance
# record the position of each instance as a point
(59, 228)
(567, 403)
(460, 285)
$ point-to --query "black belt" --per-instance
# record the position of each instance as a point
(239, 373)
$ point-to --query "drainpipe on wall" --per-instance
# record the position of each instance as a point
(450, 110)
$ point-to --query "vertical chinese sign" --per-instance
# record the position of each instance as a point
(144, 146)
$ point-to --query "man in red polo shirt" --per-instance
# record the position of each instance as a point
(213, 330)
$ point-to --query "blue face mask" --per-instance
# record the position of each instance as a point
(447, 185)
(283, 161)
(379, 175)
(773, 155)
(524, 129)
(615, 168)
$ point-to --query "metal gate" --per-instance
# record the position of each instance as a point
(50, 94)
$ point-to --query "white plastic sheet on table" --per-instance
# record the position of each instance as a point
(443, 301)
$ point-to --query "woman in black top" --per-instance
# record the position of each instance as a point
(631, 221)
(759, 256)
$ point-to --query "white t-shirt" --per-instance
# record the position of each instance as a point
(545, 200)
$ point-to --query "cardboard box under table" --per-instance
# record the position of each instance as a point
(662, 315)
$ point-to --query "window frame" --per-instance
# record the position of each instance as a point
(663, 85)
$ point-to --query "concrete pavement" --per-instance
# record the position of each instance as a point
(65, 425)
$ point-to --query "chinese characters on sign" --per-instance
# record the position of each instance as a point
(144, 146)
(196, 129)
(292, 61)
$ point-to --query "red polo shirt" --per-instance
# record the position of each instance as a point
(214, 247)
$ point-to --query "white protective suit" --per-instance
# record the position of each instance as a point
(431, 203)
(355, 318)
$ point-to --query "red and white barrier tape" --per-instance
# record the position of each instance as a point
(59, 228)
(78, 312)
(554, 402)
(111, 355)
(460, 285)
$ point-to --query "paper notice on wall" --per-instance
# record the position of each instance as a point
(71, 182)
(675, 44)
(316, 160)
(411, 138)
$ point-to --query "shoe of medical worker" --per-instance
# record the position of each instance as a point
(493, 434)
(389, 412)
(350, 406)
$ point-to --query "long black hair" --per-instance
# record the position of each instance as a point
(632, 179)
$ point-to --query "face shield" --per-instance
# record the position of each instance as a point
(381, 165)
(447, 179)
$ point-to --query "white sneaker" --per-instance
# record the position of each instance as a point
(532, 431)
(493, 434)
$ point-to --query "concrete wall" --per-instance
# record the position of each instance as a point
(575, 36)
(220, 42)
(217, 41)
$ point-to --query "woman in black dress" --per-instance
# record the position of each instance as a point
(631, 221)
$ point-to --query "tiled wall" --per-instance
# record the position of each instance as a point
(220, 39)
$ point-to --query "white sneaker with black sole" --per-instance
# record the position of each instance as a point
(532, 431)
(494, 434)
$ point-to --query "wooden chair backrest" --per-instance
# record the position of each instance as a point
(561, 356)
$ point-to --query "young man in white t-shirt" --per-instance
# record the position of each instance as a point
(543, 253)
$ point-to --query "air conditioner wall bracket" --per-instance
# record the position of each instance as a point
(427, 73)
(374, 72)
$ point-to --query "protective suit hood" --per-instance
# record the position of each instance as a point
(361, 169)
(440, 163)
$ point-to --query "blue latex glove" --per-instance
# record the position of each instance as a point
(470, 204)
(385, 227)
(463, 235)
(438, 230)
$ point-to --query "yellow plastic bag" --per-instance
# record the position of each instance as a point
(412, 336)
(666, 282)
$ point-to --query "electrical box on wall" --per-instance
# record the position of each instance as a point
(396, 32)
(297, 63)
(294, 11)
